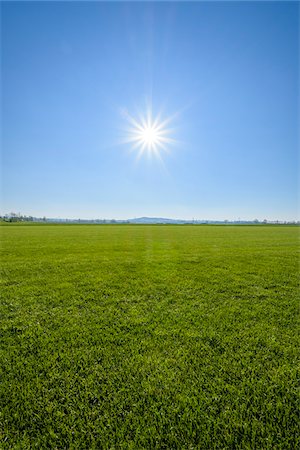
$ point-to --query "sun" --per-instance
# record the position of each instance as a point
(149, 135)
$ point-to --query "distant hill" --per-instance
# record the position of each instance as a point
(156, 220)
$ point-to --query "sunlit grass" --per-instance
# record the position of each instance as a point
(149, 337)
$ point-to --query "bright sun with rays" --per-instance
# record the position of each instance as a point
(149, 135)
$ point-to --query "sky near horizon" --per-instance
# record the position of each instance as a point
(225, 73)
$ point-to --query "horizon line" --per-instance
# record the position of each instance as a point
(160, 219)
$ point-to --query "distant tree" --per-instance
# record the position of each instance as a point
(13, 217)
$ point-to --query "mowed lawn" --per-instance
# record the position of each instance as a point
(149, 337)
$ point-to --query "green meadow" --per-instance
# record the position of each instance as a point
(149, 337)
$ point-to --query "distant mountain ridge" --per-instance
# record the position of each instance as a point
(156, 220)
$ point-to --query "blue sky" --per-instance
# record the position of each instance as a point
(226, 72)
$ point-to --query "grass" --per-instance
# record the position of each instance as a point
(149, 337)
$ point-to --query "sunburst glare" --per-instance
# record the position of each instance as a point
(149, 135)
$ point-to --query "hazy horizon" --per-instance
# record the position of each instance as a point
(153, 216)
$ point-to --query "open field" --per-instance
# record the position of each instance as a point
(149, 337)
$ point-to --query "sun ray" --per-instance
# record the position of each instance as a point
(149, 135)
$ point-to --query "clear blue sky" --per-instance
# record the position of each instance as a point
(230, 69)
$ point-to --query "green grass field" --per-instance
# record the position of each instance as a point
(149, 337)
